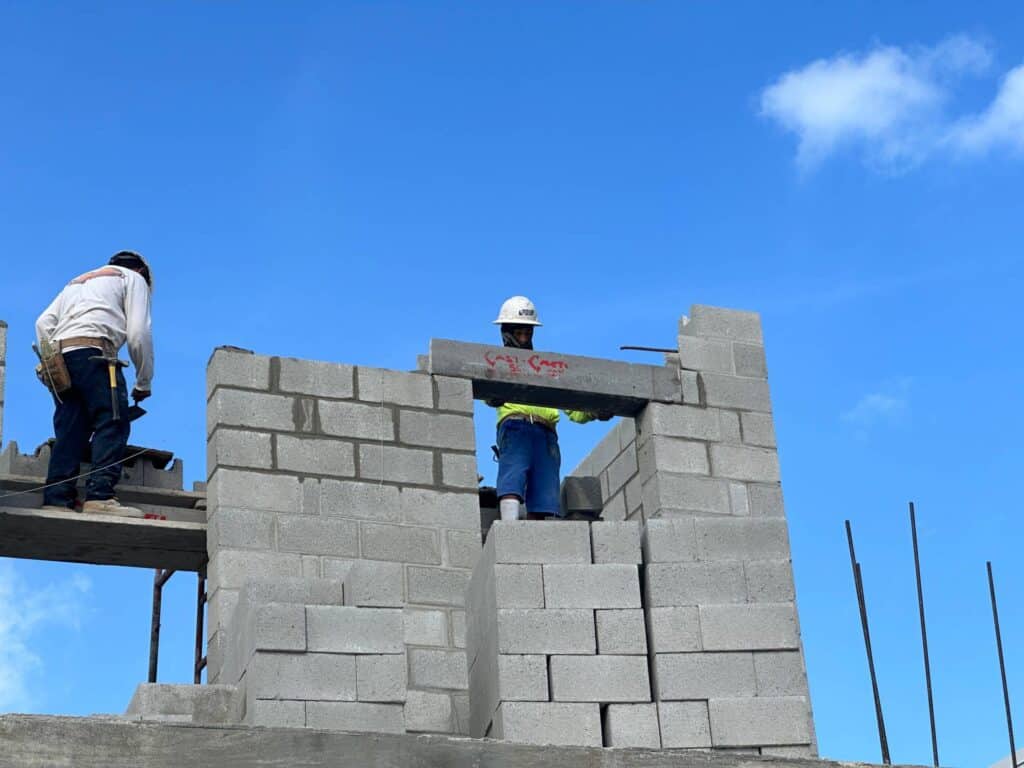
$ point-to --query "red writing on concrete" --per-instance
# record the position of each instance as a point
(552, 368)
(512, 364)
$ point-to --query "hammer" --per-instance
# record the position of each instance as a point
(112, 365)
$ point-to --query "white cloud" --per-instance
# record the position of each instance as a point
(887, 405)
(889, 103)
(1001, 124)
(24, 611)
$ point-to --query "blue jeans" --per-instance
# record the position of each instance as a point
(85, 418)
(529, 464)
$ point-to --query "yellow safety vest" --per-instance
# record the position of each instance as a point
(550, 415)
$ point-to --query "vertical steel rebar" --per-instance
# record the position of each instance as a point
(199, 662)
(858, 584)
(924, 638)
(160, 578)
(1002, 664)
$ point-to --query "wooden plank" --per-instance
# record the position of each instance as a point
(102, 540)
(131, 495)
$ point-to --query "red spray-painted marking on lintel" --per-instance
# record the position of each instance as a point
(535, 363)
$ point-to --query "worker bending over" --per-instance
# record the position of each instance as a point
(79, 336)
(529, 460)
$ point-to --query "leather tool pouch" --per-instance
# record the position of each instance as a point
(52, 372)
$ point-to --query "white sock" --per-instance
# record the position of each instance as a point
(509, 509)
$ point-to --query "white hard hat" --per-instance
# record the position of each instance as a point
(518, 310)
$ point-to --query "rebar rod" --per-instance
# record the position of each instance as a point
(199, 662)
(160, 578)
(924, 637)
(1002, 665)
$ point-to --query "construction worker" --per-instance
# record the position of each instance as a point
(529, 460)
(86, 325)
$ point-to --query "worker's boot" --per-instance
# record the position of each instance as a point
(56, 508)
(110, 507)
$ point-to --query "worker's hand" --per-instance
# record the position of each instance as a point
(138, 395)
(494, 402)
(604, 415)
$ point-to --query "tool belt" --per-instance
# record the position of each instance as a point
(52, 371)
(530, 418)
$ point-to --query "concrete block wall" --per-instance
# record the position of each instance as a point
(614, 462)
(3, 374)
(556, 643)
(361, 475)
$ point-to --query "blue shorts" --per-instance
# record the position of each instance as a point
(529, 465)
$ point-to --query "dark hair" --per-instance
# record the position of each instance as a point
(132, 260)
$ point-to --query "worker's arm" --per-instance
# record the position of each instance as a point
(582, 417)
(140, 332)
(47, 322)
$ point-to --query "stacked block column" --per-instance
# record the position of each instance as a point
(614, 462)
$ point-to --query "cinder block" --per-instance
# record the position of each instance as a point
(670, 454)
(522, 678)
(462, 548)
(621, 632)
(458, 470)
(750, 360)
(231, 528)
(616, 542)
(273, 627)
(528, 722)
(401, 465)
(533, 542)
(739, 501)
(690, 676)
(421, 506)
(309, 490)
(591, 586)
(254, 410)
(689, 383)
(306, 676)
(770, 581)
(632, 725)
(428, 712)
(678, 421)
(766, 500)
(697, 354)
(724, 391)
(739, 462)
(620, 470)
(751, 627)
(381, 678)
(253, 490)
(738, 538)
(459, 629)
(730, 421)
(581, 494)
(454, 394)
(669, 540)
(614, 509)
(310, 377)
(436, 430)
(318, 535)
(759, 722)
(425, 627)
(230, 569)
(677, 584)
(668, 495)
(220, 609)
(674, 629)
(412, 389)
(780, 673)
(519, 586)
(367, 422)
(438, 669)
(546, 631)
(808, 751)
(276, 714)
(369, 583)
(684, 724)
(717, 322)
(400, 543)
(238, 448)
(437, 586)
(302, 591)
(360, 500)
(315, 456)
(230, 368)
(343, 629)
(355, 716)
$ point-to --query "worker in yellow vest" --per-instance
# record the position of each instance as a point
(529, 460)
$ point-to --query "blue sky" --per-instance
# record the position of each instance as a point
(344, 181)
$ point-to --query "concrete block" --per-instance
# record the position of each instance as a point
(548, 542)
(697, 354)
(615, 508)
(558, 723)
(401, 465)
(591, 586)
(669, 541)
(310, 377)
(462, 548)
(420, 506)
(458, 470)
(307, 676)
(238, 448)
(253, 410)
(582, 494)
(273, 627)
(230, 569)
(632, 725)
(680, 584)
(717, 322)
(634, 496)
(428, 712)
(670, 454)
(369, 583)
(616, 542)
(599, 678)
(356, 716)
(766, 500)
(343, 629)
(309, 490)
(400, 543)
(722, 391)
(221, 607)
(522, 678)
(674, 629)
(759, 722)
(276, 714)
(689, 383)
(230, 528)
(318, 535)
(769, 581)
(730, 423)
(438, 669)
(381, 677)
(621, 632)
(750, 360)
(436, 430)
(806, 752)
(437, 586)
(687, 676)
(311, 456)
(519, 586)
(685, 421)
(357, 420)
(739, 500)
(253, 490)
(739, 538)
(751, 627)
(529, 631)
(302, 591)
(177, 703)
(622, 469)
(684, 724)
(217, 705)
(454, 394)
(425, 627)
(240, 369)
(668, 494)
(780, 673)
(360, 500)
(411, 389)
(739, 462)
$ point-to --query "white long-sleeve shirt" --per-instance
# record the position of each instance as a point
(108, 303)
